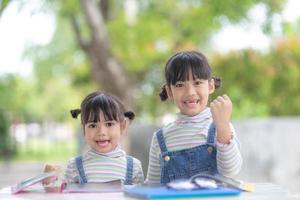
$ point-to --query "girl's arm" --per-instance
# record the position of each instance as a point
(229, 158)
(70, 172)
(138, 177)
(221, 109)
(153, 175)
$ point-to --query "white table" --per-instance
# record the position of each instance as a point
(263, 191)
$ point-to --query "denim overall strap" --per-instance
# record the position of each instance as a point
(80, 170)
(129, 172)
(211, 134)
(161, 141)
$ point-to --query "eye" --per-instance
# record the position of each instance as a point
(198, 82)
(179, 84)
(109, 124)
(92, 125)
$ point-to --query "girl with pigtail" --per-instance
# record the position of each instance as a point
(103, 119)
(201, 139)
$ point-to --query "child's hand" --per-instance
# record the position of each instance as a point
(49, 183)
(221, 109)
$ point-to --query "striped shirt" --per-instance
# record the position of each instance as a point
(187, 132)
(104, 167)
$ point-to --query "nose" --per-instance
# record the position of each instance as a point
(190, 88)
(101, 133)
(101, 130)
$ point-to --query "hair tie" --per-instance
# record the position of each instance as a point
(217, 81)
(129, 114)
(163, 93)
(75, 113)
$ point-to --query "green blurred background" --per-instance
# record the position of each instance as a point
(122, 47)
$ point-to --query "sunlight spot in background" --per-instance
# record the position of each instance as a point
(19, 28)
(131, 10)
(168, 118)
(244, 34)
(234, 37)
(291, 11)
(249, 34)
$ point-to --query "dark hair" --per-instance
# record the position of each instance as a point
(179, 65)
(111, 106)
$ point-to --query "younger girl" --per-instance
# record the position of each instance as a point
(201, 139)
(104, 120)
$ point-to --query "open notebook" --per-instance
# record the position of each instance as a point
(33, 184)
(21, 186)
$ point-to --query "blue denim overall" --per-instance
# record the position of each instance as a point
(82, 176)
(183, 164)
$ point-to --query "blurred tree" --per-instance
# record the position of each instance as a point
(12, 95)
(126, 43)
(262, 84)
(7, 149)
(106, 70)
(3, 4)
(141, 34)
(284, 62)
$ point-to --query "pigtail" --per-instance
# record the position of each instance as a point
(217, 82)
(75, 113)
(163, 93)
(130, 115)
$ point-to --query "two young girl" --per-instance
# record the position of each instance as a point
(201, 139)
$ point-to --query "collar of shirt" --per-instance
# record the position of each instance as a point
(185, 119)
(117, 152)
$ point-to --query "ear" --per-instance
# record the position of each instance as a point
(124, 125)
(169, 92)
(211, 86)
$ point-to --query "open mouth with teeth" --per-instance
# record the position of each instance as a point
(191, 103)
(102, 143)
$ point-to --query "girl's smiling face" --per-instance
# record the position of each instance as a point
(191, 95)
(103, 135)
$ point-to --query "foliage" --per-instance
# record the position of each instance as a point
(285, 59)
(162, 28)
(62, 73)
(62, 76)
(3, 5)
(14, 96)
(7, 149)
(262, 84)
(57, 151)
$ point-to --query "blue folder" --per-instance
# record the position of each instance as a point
(162, 192)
